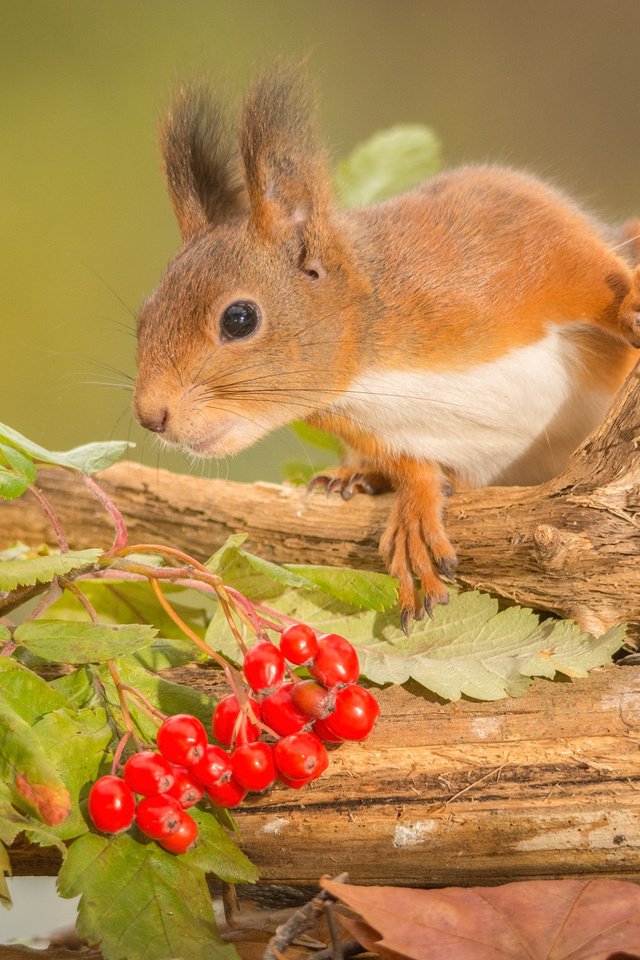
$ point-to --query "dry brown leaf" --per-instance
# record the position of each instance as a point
(528, 920)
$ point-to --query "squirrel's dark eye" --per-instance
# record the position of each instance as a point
(240, 319)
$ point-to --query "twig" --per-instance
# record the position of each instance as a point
(303, 919)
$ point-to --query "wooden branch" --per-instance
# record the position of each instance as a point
(571, 546)
(545, 785)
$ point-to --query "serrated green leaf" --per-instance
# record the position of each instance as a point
(21, 464)
(31, 570)
(164, 695)
(228, 549)
(77, 745)
(32, 779)
(364, 590)
(317, 438)
(215, 851)
(89, 458)
(11, 487)
(470, 649)
(139, 902)
(76, 687)
(387, 164)
(74, 642)
(27, 693)
(125, 601)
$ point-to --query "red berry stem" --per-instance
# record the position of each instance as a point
(126, 716)
(117, 757)
(148, 706)
(186, 629)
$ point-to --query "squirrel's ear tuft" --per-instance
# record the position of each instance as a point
(286, 172)
(201, 166)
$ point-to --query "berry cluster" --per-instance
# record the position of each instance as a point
(300, 714)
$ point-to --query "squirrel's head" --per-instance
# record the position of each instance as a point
(253, 323)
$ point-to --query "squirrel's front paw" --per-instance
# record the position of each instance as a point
(413, 545)
(346, 481)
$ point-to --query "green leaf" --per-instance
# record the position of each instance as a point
(215, 851)
(387, 164)
(299, 472)
(75, 642)
(166, 696)
(32, 778)
(77, 745)
(11, 486)
(364, 590)
(89, 458)
(124, 601)
(5, 634)
(27, 693)
(470, 649)
(14, 573)
(317, 438)
(21, 464)
(139, 902)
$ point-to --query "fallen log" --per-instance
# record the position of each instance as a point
(571, 546)
(545, 785)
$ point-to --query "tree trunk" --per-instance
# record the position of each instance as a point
(571, 546)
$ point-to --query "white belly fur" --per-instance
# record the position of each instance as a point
(509, 421)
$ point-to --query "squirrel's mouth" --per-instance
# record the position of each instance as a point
(211, 444)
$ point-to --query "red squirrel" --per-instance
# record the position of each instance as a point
(471, 331)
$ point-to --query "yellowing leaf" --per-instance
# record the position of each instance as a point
(30, 570)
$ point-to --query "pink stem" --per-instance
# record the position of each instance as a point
(117, 518)
(52, 517)
(119, 750)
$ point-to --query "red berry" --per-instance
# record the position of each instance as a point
(253, 765)
(224, 720)
(298, 643)
(112, 805)
(229, 793)
(213, 766)
(158, 817)
(355, 714)
(313, 699)
(294, 784)
(183, 838)
(182, 739)
(336, 661)
(186, 789)
(300, 756)
(321, 730)
(281, 713)
(264, 667)
(148, 773)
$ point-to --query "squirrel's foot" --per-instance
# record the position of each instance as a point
(346, 481)
(415, 545)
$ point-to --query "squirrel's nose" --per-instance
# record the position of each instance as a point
(155, 420)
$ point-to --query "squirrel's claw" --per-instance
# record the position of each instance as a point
(346, 482)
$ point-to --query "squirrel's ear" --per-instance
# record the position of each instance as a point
(201, 166)
(286, 173)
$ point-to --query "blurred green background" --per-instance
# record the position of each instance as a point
(550, 85)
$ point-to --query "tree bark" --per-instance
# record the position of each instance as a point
(571, 546)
